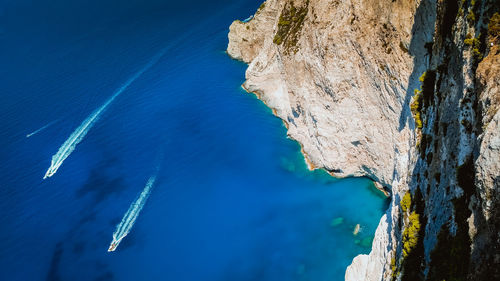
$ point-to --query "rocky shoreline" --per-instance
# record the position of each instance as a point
(373, 88)
(310, 165)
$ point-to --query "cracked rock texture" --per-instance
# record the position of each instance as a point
(342, 75)
(339, 100)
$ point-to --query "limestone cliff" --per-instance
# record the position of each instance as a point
(403, 92)
(312, 62)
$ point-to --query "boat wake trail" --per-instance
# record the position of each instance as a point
(42, 128)
(77, 136)
(128, 220)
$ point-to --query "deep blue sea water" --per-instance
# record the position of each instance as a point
(233, 199)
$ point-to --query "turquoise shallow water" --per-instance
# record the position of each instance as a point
(233, 199)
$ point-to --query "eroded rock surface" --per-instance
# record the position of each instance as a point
(342, 75)
(342, 102)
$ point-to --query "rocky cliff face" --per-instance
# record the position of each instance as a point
(313, 63)
(344, 77)
(455, 181)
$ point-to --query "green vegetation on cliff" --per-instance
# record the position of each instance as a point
(406, 202)
(407, 264)
(423, 96)
(262, 6)
(446, 99)
(416, 106)
(471, 41)
(494, 25)
(410, 234)
(289, 25)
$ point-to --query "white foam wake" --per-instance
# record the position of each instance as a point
(41, 129)
(77, 136)
(128, 220)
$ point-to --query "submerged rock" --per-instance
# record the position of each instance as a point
(337, 221)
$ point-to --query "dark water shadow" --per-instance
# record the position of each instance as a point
(53, 274)
(107, 276)
(101, 186)
(79, 248)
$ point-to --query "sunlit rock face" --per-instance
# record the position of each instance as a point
(338, 73)
(342, 76)
(338, 77)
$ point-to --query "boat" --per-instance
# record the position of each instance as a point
(357, 229)
(49, 174)
(114, 245)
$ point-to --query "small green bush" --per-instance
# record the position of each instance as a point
(277, 39)
(283, 21)
(423, 97)
(471, 17)
(394, 268)
(422, 77)
(289, 26)
(415, 107)
(494, 25)
(406, 202)
(262, 6)
(475, 43)
(410, 234)
(477, 54)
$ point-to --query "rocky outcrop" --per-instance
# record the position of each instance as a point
(488, 161)
(345, 77)
(342, 103)
(455, 180)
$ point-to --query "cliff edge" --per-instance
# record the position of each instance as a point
(405, 93)
(312, 62)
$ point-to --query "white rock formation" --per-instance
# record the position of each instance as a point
(341, 75)
(342, 103)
